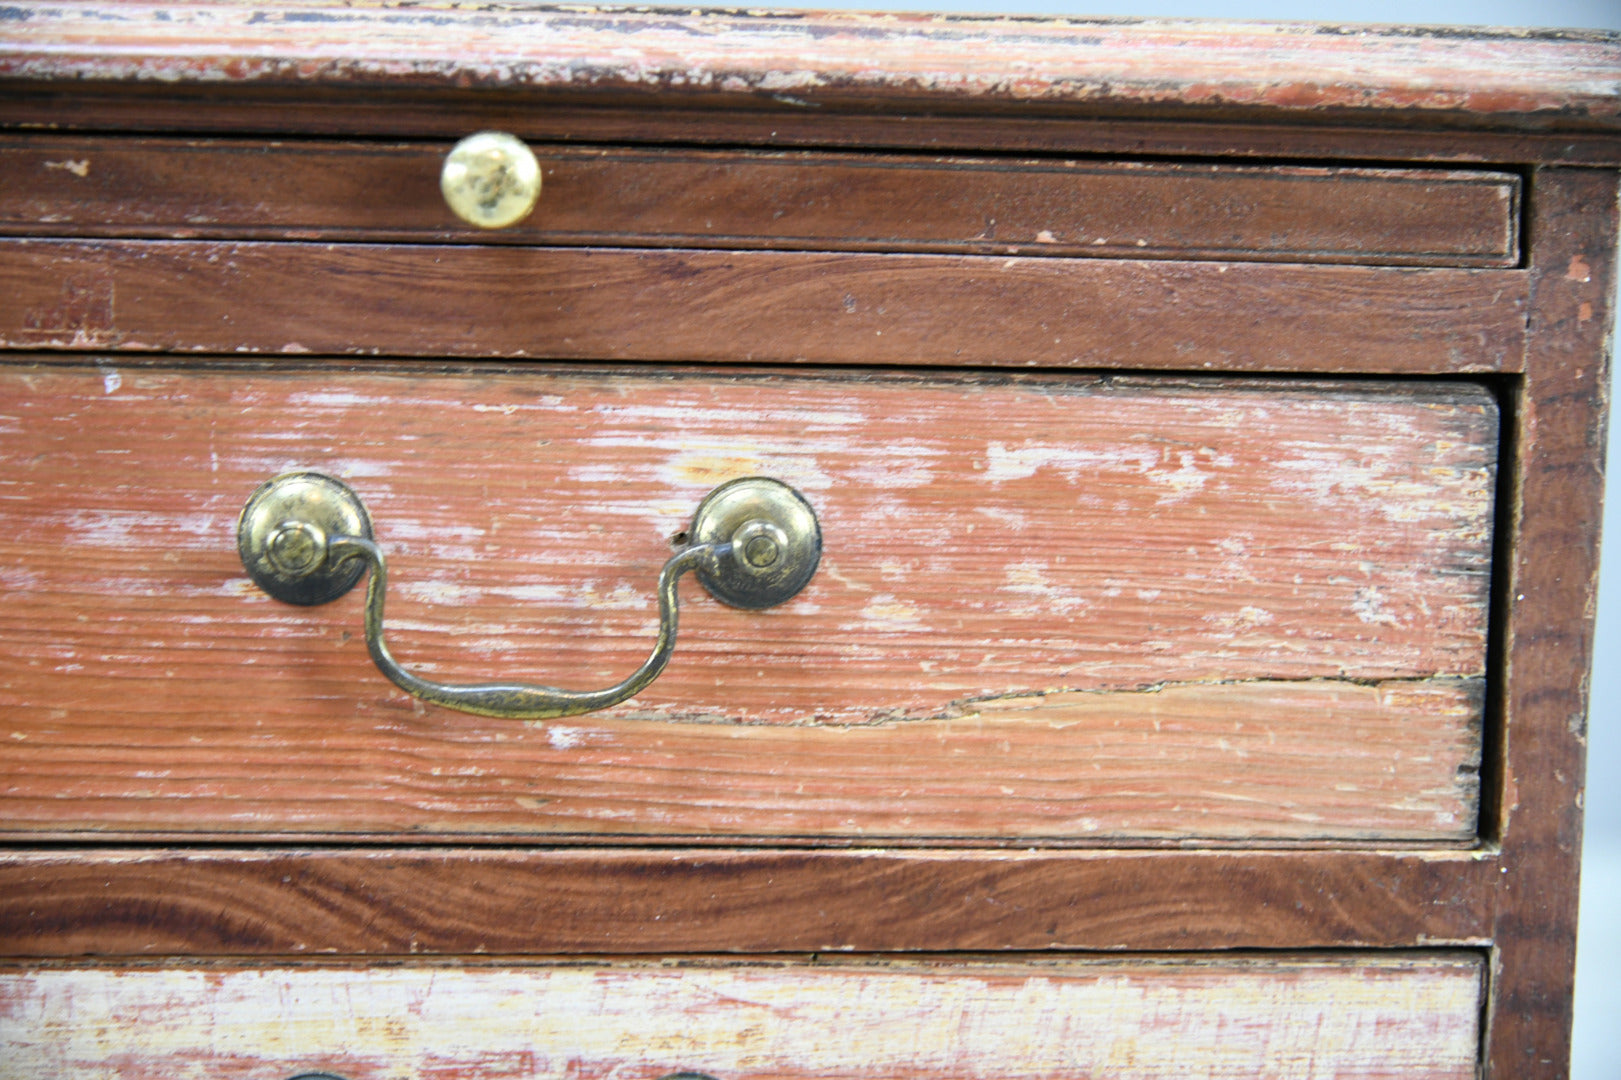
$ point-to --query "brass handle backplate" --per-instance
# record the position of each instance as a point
(306, 538)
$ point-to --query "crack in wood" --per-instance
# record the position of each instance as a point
(1469, 687)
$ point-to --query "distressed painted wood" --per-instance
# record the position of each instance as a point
(1507, 79)
(624, 197)
(755, 306)
(833, 88)
(1413, 1016)
(386, 901)
(1066, 608)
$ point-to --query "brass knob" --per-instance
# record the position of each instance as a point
(491, 180)
(306, 538)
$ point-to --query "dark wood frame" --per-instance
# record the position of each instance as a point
(1513, 895)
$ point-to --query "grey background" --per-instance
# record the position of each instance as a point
(1597, 1052)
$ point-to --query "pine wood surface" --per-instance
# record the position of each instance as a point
(1271, 97)
(1503, 79)
(756, 306)
(619, 196)
(386, 901)
(1047, 607)
(1212, 1018)
(1206, 1017)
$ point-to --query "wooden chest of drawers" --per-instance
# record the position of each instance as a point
(1202, 427)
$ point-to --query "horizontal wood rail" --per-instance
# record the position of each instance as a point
(374, 901)
(757, 306)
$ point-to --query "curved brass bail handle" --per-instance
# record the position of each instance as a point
(517, 701)
(305, 538)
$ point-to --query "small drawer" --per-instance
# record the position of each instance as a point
(1414, 1016)
(1049, 608)
(627, 197)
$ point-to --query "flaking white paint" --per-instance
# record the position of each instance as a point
(1190, 1018)
(1004, 463)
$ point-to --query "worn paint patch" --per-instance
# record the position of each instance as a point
(1132, 1019)
(825, 57)
(80, 168)
(991, 547)
(82, 316)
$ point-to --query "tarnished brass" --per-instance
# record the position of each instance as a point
(490, 180)
(306, 538)
(773, 535)
(284, 533)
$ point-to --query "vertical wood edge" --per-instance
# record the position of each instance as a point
(1556, 512)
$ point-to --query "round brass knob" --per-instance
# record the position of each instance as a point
(491, 180)
(773, 535)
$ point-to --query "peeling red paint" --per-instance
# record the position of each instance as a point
(1546, 80)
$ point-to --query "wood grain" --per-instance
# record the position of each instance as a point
(1550, 592)
(247, 109)
(1065, 608)
(386, 901)
(728, 81)
(1503, 79)
(167, 109)
(1218, 1018)
(618, 196)
(755, 306)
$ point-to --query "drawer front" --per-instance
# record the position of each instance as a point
(276, 298)
(1057, 608)
(64, 185)
(333, 248)
(1413, 1016)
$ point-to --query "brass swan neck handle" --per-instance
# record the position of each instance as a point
(518, 701)
(306, 538)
